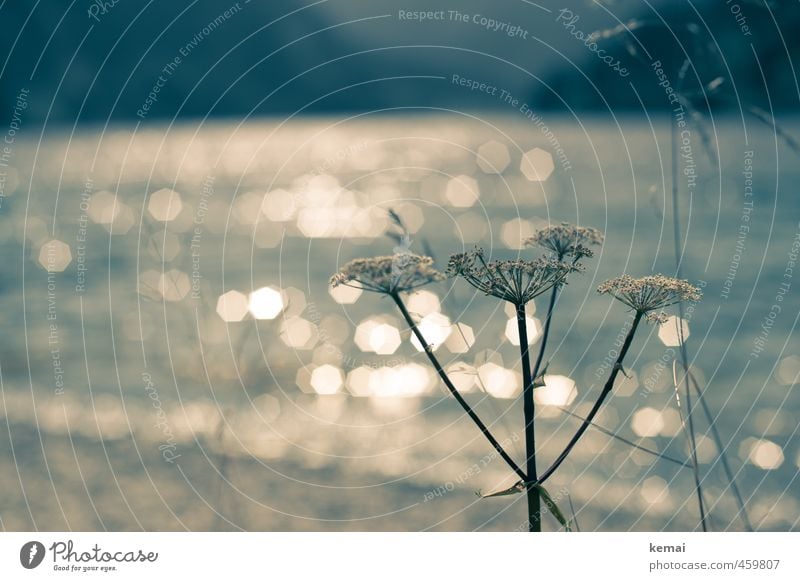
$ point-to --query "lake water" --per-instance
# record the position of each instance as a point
(131, 404)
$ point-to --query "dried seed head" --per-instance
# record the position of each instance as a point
(657, 317)
(567, 240)
(388, 274)
(650, 294)
(515, 281)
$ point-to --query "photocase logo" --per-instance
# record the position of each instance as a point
(31, 554)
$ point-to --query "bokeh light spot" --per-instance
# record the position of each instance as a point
(232, 306)
(671, 330)
(265, 303)
(165, 205)
(537, 165)
(533, 325)
(55, 256)
(647, 422)
(462, 191)
(558, 390)
(327, 379)
(493, 157)
(435, 328)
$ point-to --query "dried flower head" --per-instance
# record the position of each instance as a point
(650, 294)
(388, 274)
(515, 281)
(566, 240)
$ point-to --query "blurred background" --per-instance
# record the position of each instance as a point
(178, 183)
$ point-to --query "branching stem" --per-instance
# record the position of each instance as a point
(452, 389)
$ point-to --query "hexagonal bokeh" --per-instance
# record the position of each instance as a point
(373, 335)
(363, 334)
(514, 232)
(174, 285)
(647, 422)
(461, 338)
(533, 325)
(498, 381)
(384, 339)
(103, 208)
(55, 256)
(164, 205)
(298, 333)
(626, 384)
(423, 303)
(124, 219)
(672, 422)
(295, 301)
(344, 295)
(671, 331)
(654, 490)
(435, 328)
(463, 376)
(558, 390)
(766, 455)
(358, 381)
(316, 222)
(303, 379)
(232, 306)
(265, 303)
(462, 191)
(493, 157)
(788, 370)
(279, 205)
(537, 165)
(327, 379)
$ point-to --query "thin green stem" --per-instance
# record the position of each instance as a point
(596, 407)
(534, 502)
(452, 389)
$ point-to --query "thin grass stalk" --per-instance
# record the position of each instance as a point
(452, 389)
(677, 238)
(688, 429)
(597, 404)
(534, 502)
(631, 443)
(574, 514)
(722, 456)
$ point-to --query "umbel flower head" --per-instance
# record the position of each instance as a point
(515, 281)
(388, 274)
(650, 294)
(566, 240)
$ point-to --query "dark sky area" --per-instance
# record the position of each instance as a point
(91, 61)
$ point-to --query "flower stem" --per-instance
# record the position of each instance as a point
(545, 332)
(452, 389)
(534, 502)
(596, 407)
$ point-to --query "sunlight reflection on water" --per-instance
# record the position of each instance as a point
(217, 274)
